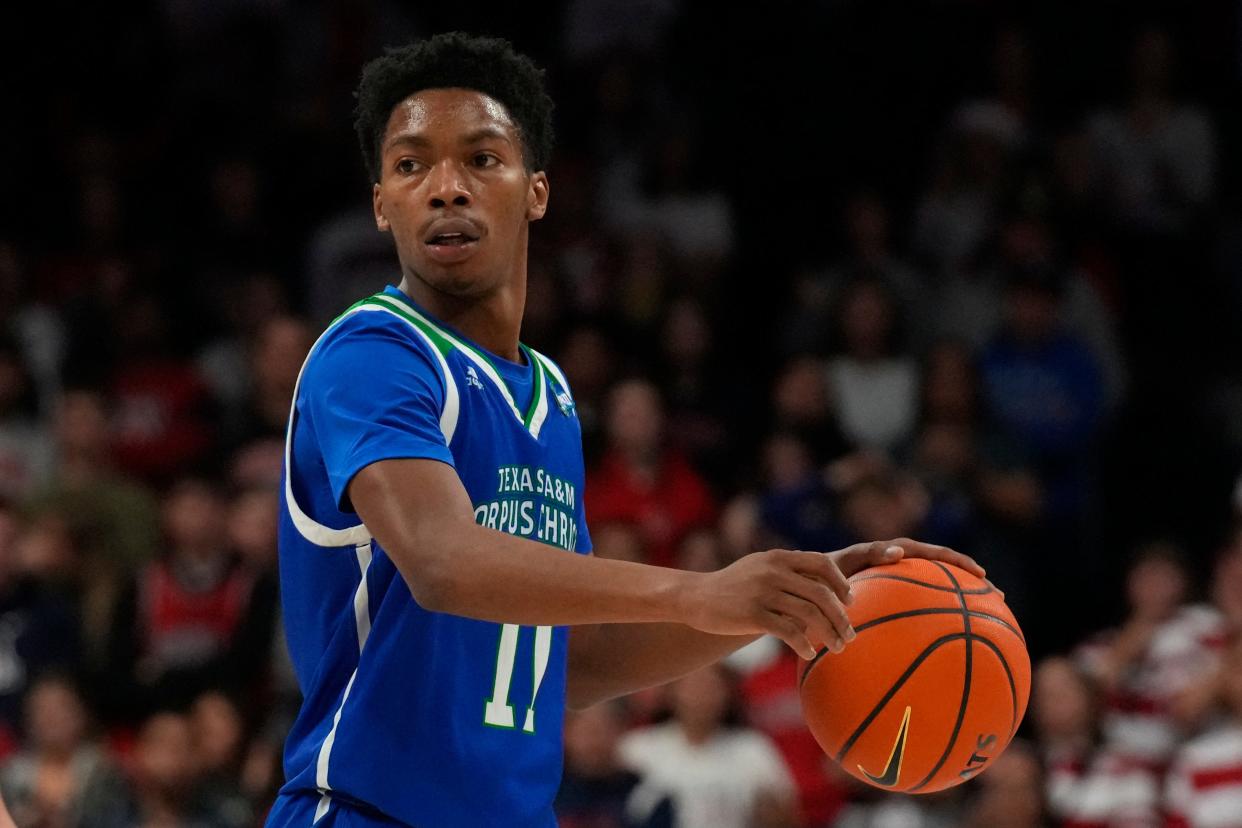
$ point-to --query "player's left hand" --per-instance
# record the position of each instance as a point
(858, 557)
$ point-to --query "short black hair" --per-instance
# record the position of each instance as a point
(455, 60)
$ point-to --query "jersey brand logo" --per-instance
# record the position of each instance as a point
(472, 377)
(565, 403)
(892, 770)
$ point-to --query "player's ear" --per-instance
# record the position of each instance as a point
(537, 196)
(377, 204)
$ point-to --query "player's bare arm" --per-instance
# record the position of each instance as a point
(421, 514)
(611, 660)
(453, 565)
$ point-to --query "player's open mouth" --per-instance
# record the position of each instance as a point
(451, 240)
(451, 248)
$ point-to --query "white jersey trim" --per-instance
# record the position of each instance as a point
(541, 389)
(309, 528)
(321, 809)
(362, 622)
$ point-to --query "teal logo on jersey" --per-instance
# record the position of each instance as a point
(548, 515)
(566, 403)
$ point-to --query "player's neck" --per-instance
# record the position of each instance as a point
(494, 322)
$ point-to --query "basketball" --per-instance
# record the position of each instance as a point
(933, 687)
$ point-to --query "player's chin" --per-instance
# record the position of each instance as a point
(462, 280)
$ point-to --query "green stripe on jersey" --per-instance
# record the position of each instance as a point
(446, 341)
(537, 396)
(433, 333)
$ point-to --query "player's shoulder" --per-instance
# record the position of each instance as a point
(378, 312)
(372, 337)
(378, 322)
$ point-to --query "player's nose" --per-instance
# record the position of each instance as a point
(446, 185)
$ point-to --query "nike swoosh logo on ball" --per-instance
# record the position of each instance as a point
(892, 770)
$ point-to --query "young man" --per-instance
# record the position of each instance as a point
(434, 651)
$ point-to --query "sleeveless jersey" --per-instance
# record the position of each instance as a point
(425, 717)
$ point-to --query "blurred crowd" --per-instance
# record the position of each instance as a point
(852, 277)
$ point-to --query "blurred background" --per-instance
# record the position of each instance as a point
(817, 272)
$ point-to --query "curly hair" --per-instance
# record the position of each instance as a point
(454, 59)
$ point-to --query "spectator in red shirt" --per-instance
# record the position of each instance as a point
(1204, 786)
(1165, 649)
(176, 623)
(1085, 783)
(643, 479)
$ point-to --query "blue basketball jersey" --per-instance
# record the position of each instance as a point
(427, 718)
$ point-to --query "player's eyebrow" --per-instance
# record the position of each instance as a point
(475, 137)
(484, 134)
(410, 138)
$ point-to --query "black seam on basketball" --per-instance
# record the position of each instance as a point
(961, 709)
(1013, 688)
(896, 616)
(987, 590)
(983, 616)
(823, 651)
(892, 691)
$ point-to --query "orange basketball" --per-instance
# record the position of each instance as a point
(931, 690)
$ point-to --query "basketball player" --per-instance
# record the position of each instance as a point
(434, 553)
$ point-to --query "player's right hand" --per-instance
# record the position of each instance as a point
(799, 597)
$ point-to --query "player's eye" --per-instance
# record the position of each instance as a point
(406, 165)
(485, 159)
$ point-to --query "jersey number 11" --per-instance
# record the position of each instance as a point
(498, 712)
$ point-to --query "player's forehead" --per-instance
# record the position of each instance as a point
(448, 113)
